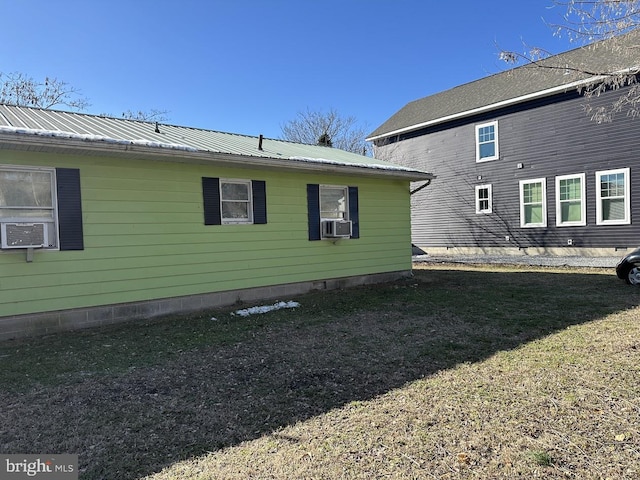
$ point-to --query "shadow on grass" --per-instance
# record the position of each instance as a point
(131, 400)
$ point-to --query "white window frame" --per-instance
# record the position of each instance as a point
(496, 155)
(627, 197)
(345, 213)
(583, 200)
(489, 198)
(249, 202)
(543, 181)
(51, 222)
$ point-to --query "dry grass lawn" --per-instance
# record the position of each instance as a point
(463, 372)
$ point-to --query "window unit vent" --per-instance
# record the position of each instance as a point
(336, 228)
(23, 235)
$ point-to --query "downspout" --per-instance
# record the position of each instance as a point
(415, 250)
(424, 185)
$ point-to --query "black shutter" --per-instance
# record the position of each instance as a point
(211, 200)
(259, 201)
(69, 209)
(313, 210)
(353, 212)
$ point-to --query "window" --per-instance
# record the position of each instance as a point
(27, 197)
(487, 142)
(234, 201)
(613, 197)
(483, 199)
(329, 202)
(533, 203)
(46, 196)
(333, 203)
(570, 200)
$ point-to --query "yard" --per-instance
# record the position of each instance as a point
(462, 372)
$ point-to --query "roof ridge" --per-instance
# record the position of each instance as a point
(507, 86)
(529, 63)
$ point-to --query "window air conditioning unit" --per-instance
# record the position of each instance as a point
(23, 235)
(336, 228)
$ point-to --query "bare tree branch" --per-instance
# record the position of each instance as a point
(608, 28)
(591, 20)
(328, 129)
(153, 115)
(19, 89)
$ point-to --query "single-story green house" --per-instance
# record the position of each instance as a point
(105, 220)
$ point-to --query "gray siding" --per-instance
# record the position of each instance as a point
(549, 138)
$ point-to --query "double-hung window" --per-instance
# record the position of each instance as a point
(235, 201)
(334, 203)
(487, 142)
(533, 203)
(229, 201)
(28, 206)
(483, 199)
(333, 211)
(570, 200)
(40, 207)
(613, 197)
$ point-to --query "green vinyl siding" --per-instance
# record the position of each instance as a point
(145, 237)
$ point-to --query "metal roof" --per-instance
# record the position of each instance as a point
(36, 129)
(546, 77)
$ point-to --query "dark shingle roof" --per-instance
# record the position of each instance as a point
(514, 85)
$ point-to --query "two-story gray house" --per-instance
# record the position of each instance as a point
(520, 166)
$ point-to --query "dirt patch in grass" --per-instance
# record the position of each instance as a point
(460, 372)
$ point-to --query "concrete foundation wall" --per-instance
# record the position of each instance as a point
(18, 326)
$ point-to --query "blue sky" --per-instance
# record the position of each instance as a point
(248, 66)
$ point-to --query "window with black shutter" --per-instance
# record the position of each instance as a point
(40, 208)
(234, 201)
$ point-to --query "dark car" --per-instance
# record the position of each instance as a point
(628, 269)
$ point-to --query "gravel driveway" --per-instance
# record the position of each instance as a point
(549, 261)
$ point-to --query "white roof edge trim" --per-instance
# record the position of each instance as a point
(94, 138)
(374, 166)
(179, 153)
(493, 106)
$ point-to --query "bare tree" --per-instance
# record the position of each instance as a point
(19, 89)
(607, 30)
(328, 129)
(153, 115)
(22, 90)
(590, 20)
